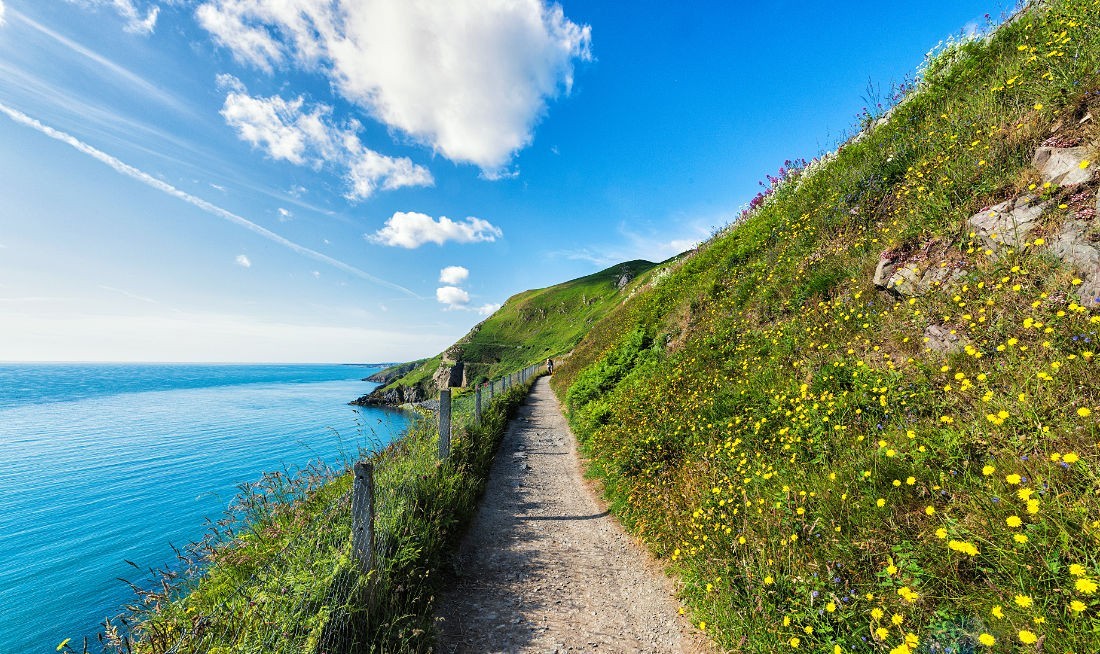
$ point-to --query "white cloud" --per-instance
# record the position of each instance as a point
(453, 275)
(470, 78)
(285, 215)
(208, 207)
(289, 130)
(1, 12)
(488, 309)
(243, 261)
(411, 230)
(138, 21)
(452, 296)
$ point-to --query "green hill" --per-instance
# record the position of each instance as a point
(528, 328)
(864, 417)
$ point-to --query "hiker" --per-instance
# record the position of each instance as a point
(550, 366)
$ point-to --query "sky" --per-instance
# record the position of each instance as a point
(365, 180)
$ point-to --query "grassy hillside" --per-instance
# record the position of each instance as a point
(531, 326)
(835, 467)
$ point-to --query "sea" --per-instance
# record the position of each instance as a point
(101, 464)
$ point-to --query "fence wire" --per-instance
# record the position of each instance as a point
(279, 575)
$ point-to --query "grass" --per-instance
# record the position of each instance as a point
(777, 430)
(534, 325)
(278, 576)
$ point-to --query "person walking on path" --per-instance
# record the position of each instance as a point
(550, 366)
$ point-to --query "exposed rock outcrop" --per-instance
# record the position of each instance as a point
(916, 273)
(1074, 245)
(942, 339)
(1008, 224)
(1063, 166)
(450, 376)
(392, 373)
(391, 396)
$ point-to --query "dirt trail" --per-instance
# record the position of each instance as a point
(544, 568)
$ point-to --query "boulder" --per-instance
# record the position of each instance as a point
(887, 265)
(919, 272)
(449, 376)
(1062, 166)
(1007, 224)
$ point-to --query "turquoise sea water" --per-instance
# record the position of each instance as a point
(100, 464)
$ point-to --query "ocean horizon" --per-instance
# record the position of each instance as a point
(105, 463)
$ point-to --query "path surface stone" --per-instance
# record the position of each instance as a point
(544, 568)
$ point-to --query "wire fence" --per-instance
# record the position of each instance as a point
(324, 562)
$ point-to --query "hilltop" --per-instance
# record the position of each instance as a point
(528, 328)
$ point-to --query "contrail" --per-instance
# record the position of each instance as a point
(208, 207)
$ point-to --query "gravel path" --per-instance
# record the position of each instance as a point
(544, 568)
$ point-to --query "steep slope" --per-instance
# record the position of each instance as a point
(528, 328)
(864, 418)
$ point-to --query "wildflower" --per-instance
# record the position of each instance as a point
(1027, 637)
(987, 640)
(830, 607)
(1077, 570)
(1085, 585)
(1084, 412)
(897, 619)
(941, 533)
(1077, 606)
(1013, 479)
(768, 581)
(998, 612)
(1013, 521)
(793, 642)
(876, 613)
(1023, 601)
(988, 470)
(962, 546)
(881, 633)
(929, 509)
(1070, 457)
(1020, 538)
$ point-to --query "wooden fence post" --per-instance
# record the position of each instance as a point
(444, 424)
(362, 516)
(477, 405)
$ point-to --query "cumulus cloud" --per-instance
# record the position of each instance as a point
(138, 21)
(469, 78)
(488, 309)
(292, 131)
(243, 261)
(452, 296)
(411, 230)
(285, 215)
(453, 275)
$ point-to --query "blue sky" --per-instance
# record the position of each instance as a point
(365, 180)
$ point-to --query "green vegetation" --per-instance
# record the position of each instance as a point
(783, 432)
(278, 576)
(533, 325)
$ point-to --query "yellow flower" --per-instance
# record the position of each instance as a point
(793, 642)
(1085, 585)
(987, 640)
(988, 470)
(702, 626)
(1013, 521)
(1027, 638)
(768, 581)
(1077, 570)
(1084, 412)
(998, 612)
(1038, 106)
(941, 533)
(929, 509)
(897, 618)
(830, 607)
(876, 613)
(881, 633)
(837, 649)
(1071, 457)
(880, 502)
(1084, 164)
(1019, 538)
(1023, 601)
(1013, 479)
(1077, 606)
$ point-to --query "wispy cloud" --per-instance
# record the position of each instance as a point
(488, 309)
(1, 13)
(470, 78)
(147, 88)
(160, 185)
(411, 230)
(138, 21)
(132, 296)
(243, 261)
(307, 134)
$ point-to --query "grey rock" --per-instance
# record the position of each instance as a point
(941, 339)
(1072, 245)
(1062, 166)
(1008, 223)
(885, 269)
